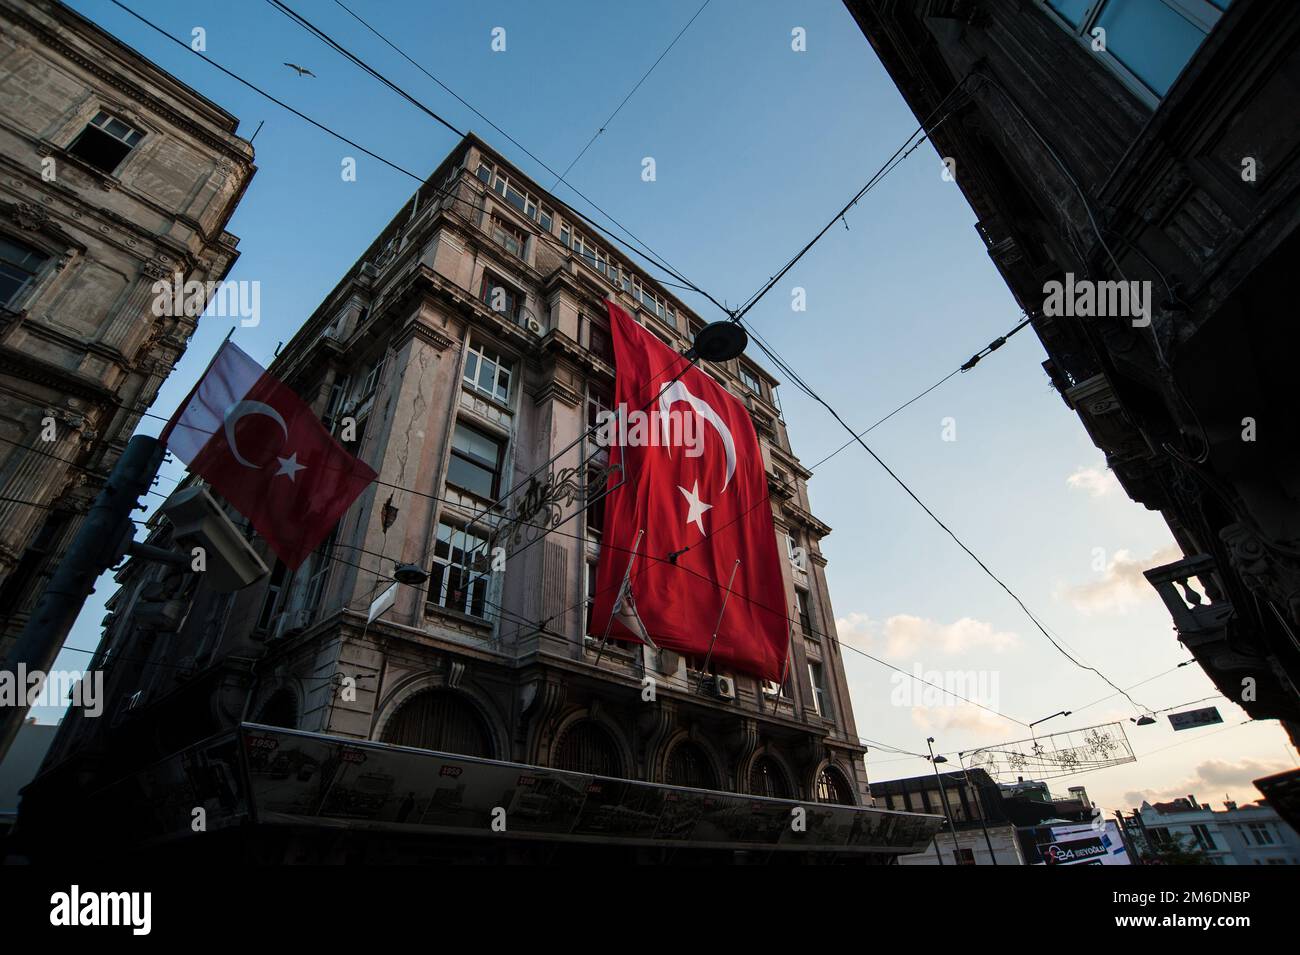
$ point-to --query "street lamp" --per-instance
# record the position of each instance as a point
(943, 795)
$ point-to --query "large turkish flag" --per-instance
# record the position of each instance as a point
(263, 450)
(709, 508)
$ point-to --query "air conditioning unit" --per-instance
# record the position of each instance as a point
(724, 687)
(534, 325)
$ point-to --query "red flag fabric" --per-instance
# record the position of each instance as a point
(264, 451)
(697, 488)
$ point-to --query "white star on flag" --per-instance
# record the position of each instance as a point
(290, 466)
(695, 507)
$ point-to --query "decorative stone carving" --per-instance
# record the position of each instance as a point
(1271, 575)
(29, 217)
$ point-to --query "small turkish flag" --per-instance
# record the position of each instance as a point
(263, 450)
(698, 489)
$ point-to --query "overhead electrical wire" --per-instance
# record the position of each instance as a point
(803, 386)
(646, 75)
(638, 245)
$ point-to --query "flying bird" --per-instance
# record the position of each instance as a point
(302, 70)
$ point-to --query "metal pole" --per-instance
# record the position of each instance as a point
(979, 798)
(624, 586)
(943, 795)
(718, 626)
(99, 543)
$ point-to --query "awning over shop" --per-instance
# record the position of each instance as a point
(270, 776)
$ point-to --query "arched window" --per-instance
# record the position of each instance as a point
(766, 778)
(440, 720)
(833, 788)
(281, 709)
(689, 765)
(586, 747)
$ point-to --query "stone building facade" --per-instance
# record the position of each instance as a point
(467, 347)
(1147, 149)
(113, 176)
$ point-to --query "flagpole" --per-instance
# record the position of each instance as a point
(712, 640)
(624, 586)
(785, 668)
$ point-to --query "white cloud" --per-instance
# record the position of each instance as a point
(962, 717)
(1096, 481)
(1122, 583)
(912, 637)
(856, 630)
(904, 636)
(1212, 780)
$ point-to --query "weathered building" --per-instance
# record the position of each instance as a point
(465, 354)
(113, 176)
(1134, 171)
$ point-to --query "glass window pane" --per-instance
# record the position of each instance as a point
(471, 367)
(117, 128)
(1072, 11)
(1151, 39)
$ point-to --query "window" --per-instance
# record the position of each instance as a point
(475, 461)
(272, 601)
(508, 237)
(963, 857)
(442, 721)
(689, 765)
(833, 788)
(766, 778)
(458, 579)
(319, 573)
(1147, 42)
(599, 341)
(598, 405)
(358, 434)
(513, 192)
(794, 552)
(750, 381)
(1203, 837)
(1260, 831)
(590, 584)
(595, 512)
(19, 265)
(500, 297)
(821, 702)
(586, 747)
(805, 617)
(105, 142)
(371, 380)
(487, 371)
(338, 392)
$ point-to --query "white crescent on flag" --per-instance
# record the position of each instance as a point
(677, 391)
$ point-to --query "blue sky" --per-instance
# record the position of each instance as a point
(756, 145)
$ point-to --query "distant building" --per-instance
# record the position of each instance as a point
(1011, 819)
(1235, 835)
(1138, 189)
(113, 176)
